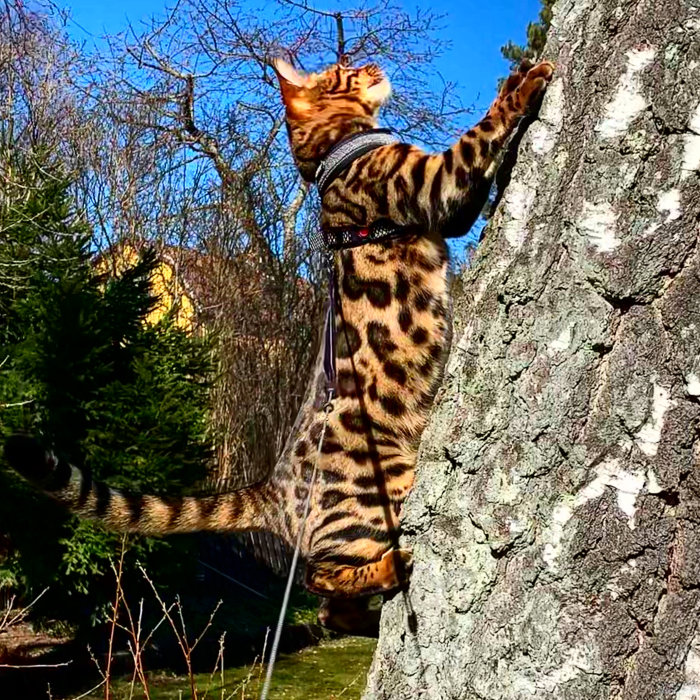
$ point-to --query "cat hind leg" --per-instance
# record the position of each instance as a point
(392, 571)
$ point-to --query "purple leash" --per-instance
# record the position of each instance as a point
(329, 339)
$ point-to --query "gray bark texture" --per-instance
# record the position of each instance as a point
(555, 520)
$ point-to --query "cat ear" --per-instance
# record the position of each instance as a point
(288, 74)
(292, 84)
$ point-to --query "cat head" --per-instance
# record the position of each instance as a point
(323, 108)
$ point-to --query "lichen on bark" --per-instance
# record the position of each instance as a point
(555, 520)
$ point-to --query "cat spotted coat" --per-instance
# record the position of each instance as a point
(392, 337)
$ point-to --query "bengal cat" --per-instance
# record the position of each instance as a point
(393, 333)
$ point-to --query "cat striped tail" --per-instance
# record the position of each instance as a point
(73, 487)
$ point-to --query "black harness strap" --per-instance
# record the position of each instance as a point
(329, 332)
(340, 239)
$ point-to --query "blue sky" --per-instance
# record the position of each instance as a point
(476, 29)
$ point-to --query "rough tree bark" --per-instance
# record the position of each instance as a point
(555, 520)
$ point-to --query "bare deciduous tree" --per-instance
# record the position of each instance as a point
(196, 88)
(174, 136)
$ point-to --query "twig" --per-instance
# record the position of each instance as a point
(7, 621)
(181, 634)
(89, 692)
(62, 663)
(17, 403)
(341, 38)
(206, 627)
(135, 646)
(289, 218)
(352, 682)
(115, 614)
(230, 578)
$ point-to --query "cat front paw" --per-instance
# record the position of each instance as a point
(523, 88)
(402, 566)
(535, 83)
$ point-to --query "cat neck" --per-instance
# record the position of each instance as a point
(313, 138)
(343, 131)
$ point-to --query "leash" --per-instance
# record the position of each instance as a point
(337, 161)
(329, 331)
(327, 408)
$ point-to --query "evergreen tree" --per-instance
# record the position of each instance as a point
(536, 37)
(81, 367)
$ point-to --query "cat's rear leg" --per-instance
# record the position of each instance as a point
(356, 616)
(331, 580)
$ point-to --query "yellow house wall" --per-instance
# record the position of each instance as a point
(164, 285)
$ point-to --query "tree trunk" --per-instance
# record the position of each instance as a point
(555, 520)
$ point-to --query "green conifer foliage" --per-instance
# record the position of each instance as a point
(536, 37)
(82, 368)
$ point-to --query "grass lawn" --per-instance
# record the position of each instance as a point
(334, 669)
